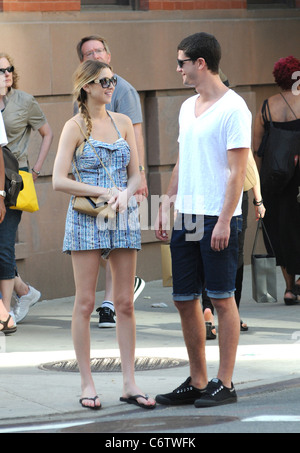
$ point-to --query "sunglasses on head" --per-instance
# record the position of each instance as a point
(9, 69)
(105, 82)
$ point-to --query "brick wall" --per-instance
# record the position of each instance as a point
(172, 5)
(40, 5)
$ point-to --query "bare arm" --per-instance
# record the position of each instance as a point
(258, 133)
(259, 210)
(138, 132)
(47, 137)
(163, 216)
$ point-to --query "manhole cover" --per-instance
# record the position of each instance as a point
(113, 364)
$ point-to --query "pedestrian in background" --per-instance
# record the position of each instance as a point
(21, 113)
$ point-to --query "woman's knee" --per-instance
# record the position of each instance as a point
(85, 304)
(124, 305)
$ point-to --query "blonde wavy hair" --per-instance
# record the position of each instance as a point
(85, 73)
(15, 73)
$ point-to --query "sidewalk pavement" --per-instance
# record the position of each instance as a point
(267, 353)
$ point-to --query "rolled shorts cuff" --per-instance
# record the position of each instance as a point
(220, 294)
(183, 297)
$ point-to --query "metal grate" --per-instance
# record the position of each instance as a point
(113, 364)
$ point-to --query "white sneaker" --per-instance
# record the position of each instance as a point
(139, 285)
(23, 303)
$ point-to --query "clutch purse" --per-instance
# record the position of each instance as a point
(93, 206)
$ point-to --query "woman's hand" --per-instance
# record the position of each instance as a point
(118, 199)
(260, 211)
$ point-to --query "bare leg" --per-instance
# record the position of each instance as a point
(20, 288)
(289, 283)
(123, 265)
(194, 333)
(86, 267)
(229, 332)
(108, 295)
(209, 317)
(7, 287)
(4, 315)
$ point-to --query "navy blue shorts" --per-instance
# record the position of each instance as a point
(8, 231)
(193, 259)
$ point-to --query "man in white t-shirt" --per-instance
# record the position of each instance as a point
(207, 181)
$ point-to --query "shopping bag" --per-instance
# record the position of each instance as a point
(263, 267)
(27, 198)
(166, 265)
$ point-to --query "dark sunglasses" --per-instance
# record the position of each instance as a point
(9, 69)
(106, 81)
(180, 63)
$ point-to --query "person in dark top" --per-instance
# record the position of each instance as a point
(282, 218)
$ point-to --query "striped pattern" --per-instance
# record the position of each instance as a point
(84, 232)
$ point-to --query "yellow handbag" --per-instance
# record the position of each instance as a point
(27, 198)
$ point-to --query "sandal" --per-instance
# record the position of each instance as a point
(244, 326)
(133, 400)
(296, 289)
(95, 408)
(210, 335)
(291, 300)
(7, 330)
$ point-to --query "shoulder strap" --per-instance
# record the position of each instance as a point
(115, 126)
(289, 106)
(265, 106)
(93, 148)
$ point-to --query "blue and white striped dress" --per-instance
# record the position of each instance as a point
(84, 232)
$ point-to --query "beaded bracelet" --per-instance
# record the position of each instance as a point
(257, 203)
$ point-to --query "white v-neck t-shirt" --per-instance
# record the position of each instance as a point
(203, 145)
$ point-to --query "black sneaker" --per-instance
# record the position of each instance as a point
(107, 317)
(184, 394)
(216, 394)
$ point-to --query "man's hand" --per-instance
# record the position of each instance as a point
(220, 236)
(161, 224)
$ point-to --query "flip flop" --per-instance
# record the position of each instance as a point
(210, 335)
(244, 326)
(7, 330)
(95, 408)
(133, 400)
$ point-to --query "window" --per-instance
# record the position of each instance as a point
(271, 3)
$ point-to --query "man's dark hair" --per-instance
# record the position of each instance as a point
(202, 45)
